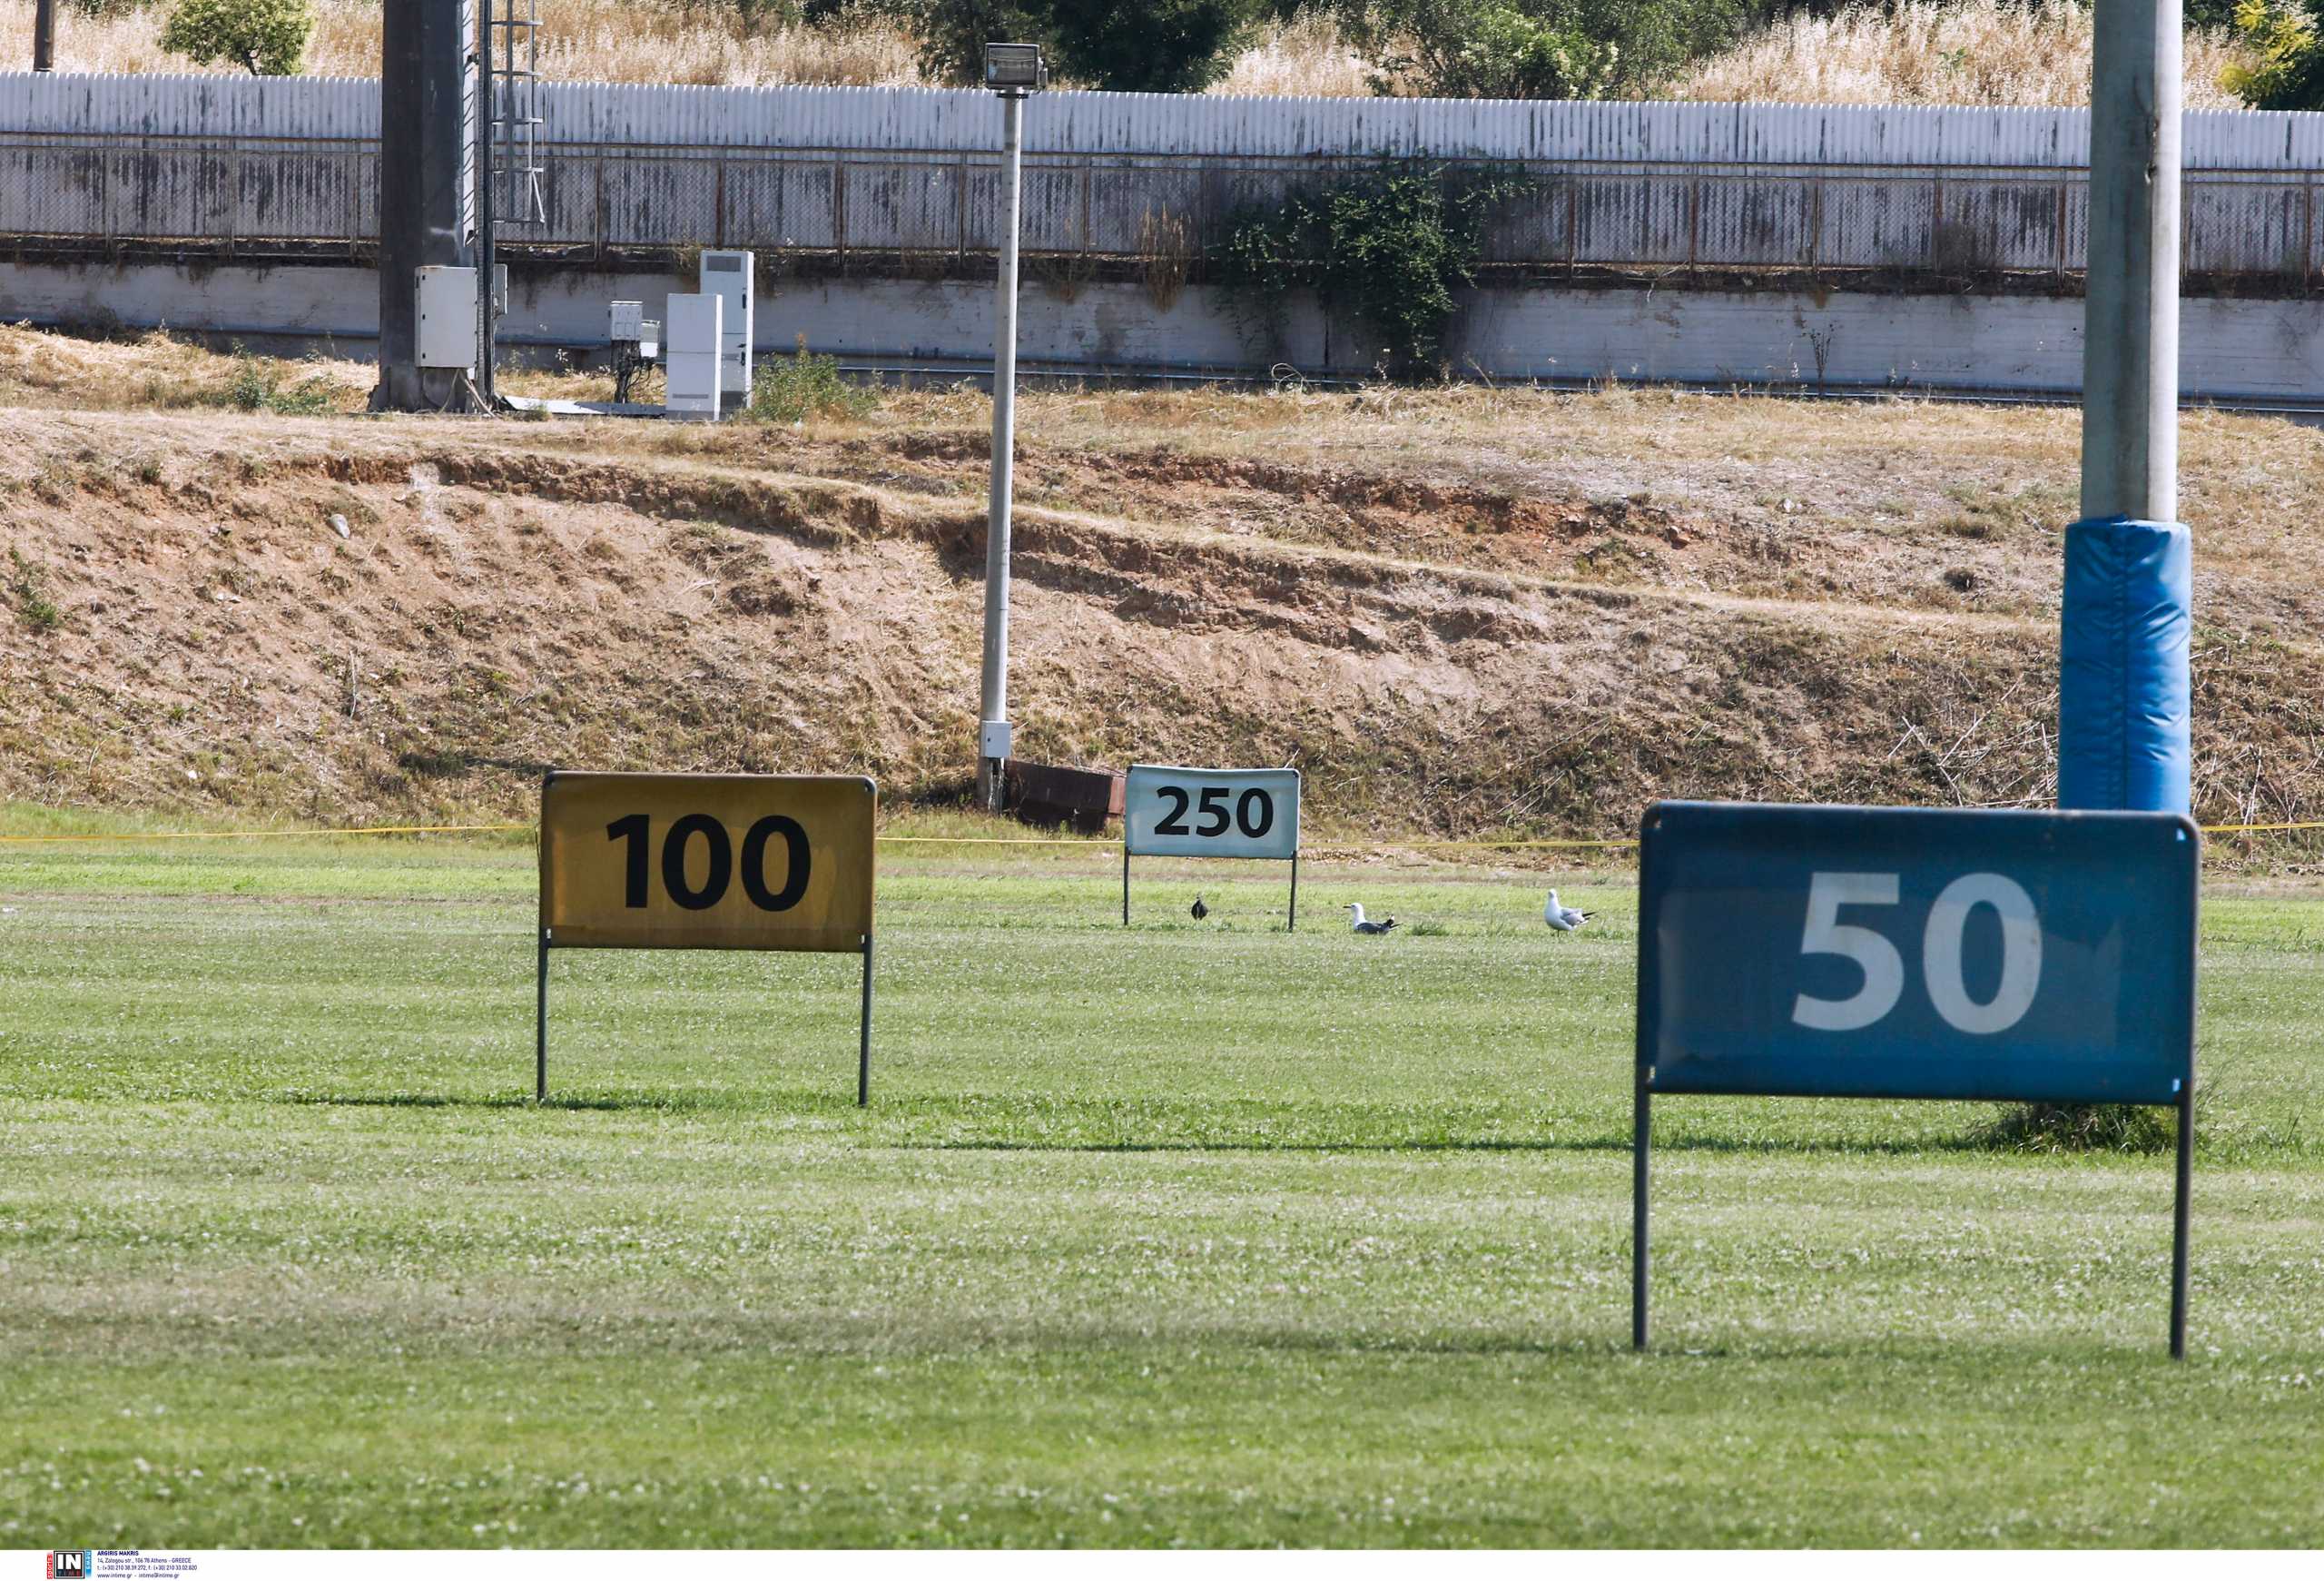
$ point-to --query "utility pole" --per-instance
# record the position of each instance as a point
(44, 35)
(1012, 71)
(2124, 688)
(2130, 396)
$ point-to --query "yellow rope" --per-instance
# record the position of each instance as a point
(929, 839)
(273, 834)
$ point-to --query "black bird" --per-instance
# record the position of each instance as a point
(1200, 910)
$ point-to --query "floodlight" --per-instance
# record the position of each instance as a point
(1014, 68)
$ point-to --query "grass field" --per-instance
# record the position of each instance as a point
(1178, 1234)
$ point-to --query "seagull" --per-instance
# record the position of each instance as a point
(1357, 925)
(1563, 918)
(1200, 911)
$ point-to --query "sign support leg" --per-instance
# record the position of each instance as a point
(1291, 922)
(540, 1026)
(1642, 1124)
(1125, 884)
(863, 1044)
(2179, 1223)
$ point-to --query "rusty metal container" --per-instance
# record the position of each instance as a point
(1049, 795)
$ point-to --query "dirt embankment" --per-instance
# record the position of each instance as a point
(339, 620)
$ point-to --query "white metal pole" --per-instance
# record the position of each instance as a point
(2130, 394)
(992, 744)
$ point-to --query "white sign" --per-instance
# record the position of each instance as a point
(1249, 813)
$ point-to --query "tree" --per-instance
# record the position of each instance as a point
(2288, 35)
(268, 36)
(1160, 47)
(1148, 46)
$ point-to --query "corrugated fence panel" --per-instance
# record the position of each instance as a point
(968, 120)
(2246, 227)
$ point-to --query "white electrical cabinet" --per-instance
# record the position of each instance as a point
(448, 320)
(728, 276)
(693, 360)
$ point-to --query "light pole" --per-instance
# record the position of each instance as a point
(44, 35)
(1012, 70)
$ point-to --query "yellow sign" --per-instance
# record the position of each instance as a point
(707, 861)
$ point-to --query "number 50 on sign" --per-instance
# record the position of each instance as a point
(1908, 952)
(706, 862)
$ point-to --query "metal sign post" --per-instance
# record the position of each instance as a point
(706, 862)
(1248, 814)
(1909, 952)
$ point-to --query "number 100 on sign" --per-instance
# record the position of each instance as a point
(1251, 813)
(719, 862)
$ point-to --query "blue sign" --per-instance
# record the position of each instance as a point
(1912, 952)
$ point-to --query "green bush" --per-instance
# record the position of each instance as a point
(268, 36)
(1386, 247)
(789, 389)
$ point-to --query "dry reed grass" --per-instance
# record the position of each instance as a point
(1961, 52)
(1167, 244)
(1307, 57)
(1925, 52)
(612, 41)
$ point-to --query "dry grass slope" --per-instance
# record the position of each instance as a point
(1925, 51)
(1462, 611)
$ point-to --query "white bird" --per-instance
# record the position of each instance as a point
(1563, 918)
(1356, 924)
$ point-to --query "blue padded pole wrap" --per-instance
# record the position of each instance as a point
(2124, 682)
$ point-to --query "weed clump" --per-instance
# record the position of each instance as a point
(2064, 1128)
(30, 585)
(256, 385)
(804, 385)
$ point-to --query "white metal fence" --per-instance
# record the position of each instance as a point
(879, 172)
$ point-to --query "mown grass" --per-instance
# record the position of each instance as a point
(1206, 1234)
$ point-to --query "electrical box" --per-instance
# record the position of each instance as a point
(447, 320)
(625, 320)
(693, 362)
(728, 276)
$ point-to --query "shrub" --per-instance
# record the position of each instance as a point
(268, 36)
(790, 389)
(1386, 247)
